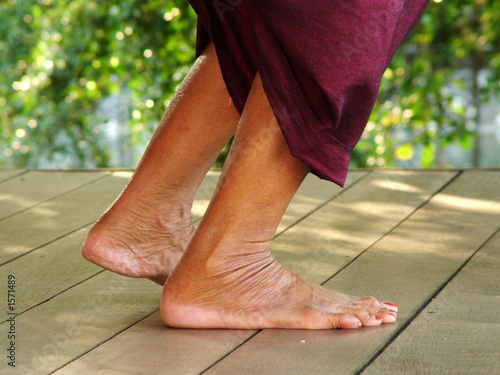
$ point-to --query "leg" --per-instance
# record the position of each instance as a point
(227, 277)
(148, 228)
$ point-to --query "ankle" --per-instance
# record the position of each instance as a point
(158, 207)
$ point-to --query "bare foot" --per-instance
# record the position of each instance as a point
(227, 277)
(136, 241)
(262, 294)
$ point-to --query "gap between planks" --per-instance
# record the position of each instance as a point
(407, 266)
(31, 188)
(149, 346)
(46, 349)
(459, 331)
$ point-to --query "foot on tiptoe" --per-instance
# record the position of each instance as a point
(136, 241)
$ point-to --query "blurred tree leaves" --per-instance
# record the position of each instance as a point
(455, 42)
(59, 59)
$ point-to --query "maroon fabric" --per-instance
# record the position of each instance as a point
(320, 62)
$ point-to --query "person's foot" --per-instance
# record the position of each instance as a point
(259, 293)
(134, 240)
(147, 230)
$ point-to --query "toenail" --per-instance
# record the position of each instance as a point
(390, 304)
(360, 324)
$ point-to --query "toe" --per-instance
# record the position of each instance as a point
(390, 306)
(370, 301)
(368, 319)
(345, 321)
(387, 315)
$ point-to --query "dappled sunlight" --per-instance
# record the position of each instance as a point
(397, 236)
(46, 211)
(123, 174)
(199, 208)
(397, 186)
(38, 187)
(306, 199)
(6, 197)
(204, 194)
(12, 203)
(19, 200)
(443, 232)
(300, 206)
(325, 241)
(470, 204)
(418, 240)
(347, 226)
(14, 249)
(378, 209)
(314, 241)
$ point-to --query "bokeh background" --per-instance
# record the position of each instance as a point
(84, 83)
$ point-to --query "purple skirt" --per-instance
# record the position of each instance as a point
(320, 62)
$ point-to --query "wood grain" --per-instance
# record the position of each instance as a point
(162, 351)
(59, 265)
(407, 266)
(380, 236)
(151, 348)
(34, 187)
(313, 193)
(75, 321)
(169, 345)
(57, 269)
(334, 235)
(52, 219)
(50, 270)
(459, 331)
(6, 174)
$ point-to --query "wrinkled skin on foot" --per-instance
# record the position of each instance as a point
(137, 243)
(257, 292)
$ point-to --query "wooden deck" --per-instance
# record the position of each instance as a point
(428, 240)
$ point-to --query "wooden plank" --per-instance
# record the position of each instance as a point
(204, 194)
(313, 193)
(56, 217)
(34, 187)
(458, 333)
(6, 174)
(55, 255)
(35, 271)
(407, 266)
(57, 331)
(67, 212)
(151, 348)
(155, 349)
(48, 271)
(333, 236)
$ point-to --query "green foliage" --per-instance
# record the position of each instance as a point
(59, 59)
(415, 97)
